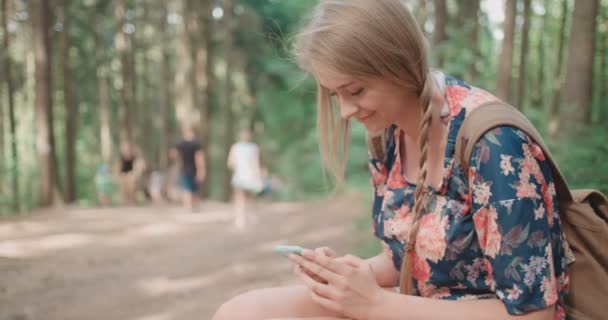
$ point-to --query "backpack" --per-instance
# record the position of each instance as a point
(583, 213)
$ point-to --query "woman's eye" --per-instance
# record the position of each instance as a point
(357, 92)
(333, 94)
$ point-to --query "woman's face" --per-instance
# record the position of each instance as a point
(375, 103)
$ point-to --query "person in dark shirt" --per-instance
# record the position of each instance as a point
(127, 168)
(192, 165)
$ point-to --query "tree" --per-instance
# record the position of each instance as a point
(422, 14)
(45, 143)
(557, 79)
(163, 120)
(71, 111)
(439, 34)
(523, 55)
(503, 82)
(538, 98)
(8, 79)
(103, 90)
(474, 21)
(228, 94)
(126, 134)
(575, 112)
(203, 66)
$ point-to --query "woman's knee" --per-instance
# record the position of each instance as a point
(241, 307)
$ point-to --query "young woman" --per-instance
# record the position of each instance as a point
(481, 244)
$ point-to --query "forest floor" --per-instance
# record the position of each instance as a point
(156, 263)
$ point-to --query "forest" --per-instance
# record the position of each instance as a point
(80, 77)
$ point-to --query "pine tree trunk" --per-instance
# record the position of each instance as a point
(11, 107)
(44, 105)
(603, 112)
(121, 49)
(440, 34)
(71, 111)
(553, 111)
(185, 81)
(228, 92)
(503, 83)
(204, 79)
(538, 98)
(575, 112)
(523, 57)
(474, 40)
(103, 95)
(165, 79)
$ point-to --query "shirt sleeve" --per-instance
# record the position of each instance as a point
(514, 209)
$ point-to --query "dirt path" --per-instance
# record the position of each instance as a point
(154, 263)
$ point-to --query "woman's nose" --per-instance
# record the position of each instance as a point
(347, 109)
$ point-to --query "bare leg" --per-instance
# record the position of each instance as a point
(274, 303)
(240, 218)
(187, 199)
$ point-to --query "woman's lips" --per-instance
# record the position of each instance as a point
(365, 117)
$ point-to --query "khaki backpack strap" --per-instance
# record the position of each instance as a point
(494, 114)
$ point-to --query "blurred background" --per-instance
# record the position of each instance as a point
(78, 78)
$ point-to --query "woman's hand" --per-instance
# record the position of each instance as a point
(349, 285)
(326, 251)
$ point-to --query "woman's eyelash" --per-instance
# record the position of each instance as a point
(358, 92)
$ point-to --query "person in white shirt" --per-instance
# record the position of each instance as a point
(244, 161)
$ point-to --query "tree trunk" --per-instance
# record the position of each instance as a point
(204, 79)
(575, 112)
(44, 106)
(71, 111)
(474, 7)
(228, 92)
(523, 56)
(440, 34)
(165, 74)
(603, 94)
(503, 85)
(103, 92)
(11, 107)
(185, 80)
(538, 98)
(553, 110)
(121, 48)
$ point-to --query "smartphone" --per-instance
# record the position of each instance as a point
(286, 250)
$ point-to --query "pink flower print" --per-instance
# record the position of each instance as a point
(430, 242)
(514, 293)
(537, 152)
(430, 291)
(395, 180)
(527, 190)
(487, 230)
(421, 270)
(482, 193)
(378, 175)
(398, 227)
(548, 200)
(455, 95)
(490, 277)
(388, 199)
(505, 164)
(549, 290)
(478, 96)
(539, 212)
(530, 165)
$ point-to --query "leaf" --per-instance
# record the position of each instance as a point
(513, 239)
(511, 270)
(456, 272)
(491, 136)
(537, 239)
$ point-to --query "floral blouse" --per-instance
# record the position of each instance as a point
(491, 232)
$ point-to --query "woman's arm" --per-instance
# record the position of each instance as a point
(398, 306)
(384, 270)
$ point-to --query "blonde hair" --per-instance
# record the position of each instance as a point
(366, 39)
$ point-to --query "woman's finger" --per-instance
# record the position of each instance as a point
(327, 303)
(315, 268)
(326, 251)
(333, 265)
(316, 287)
